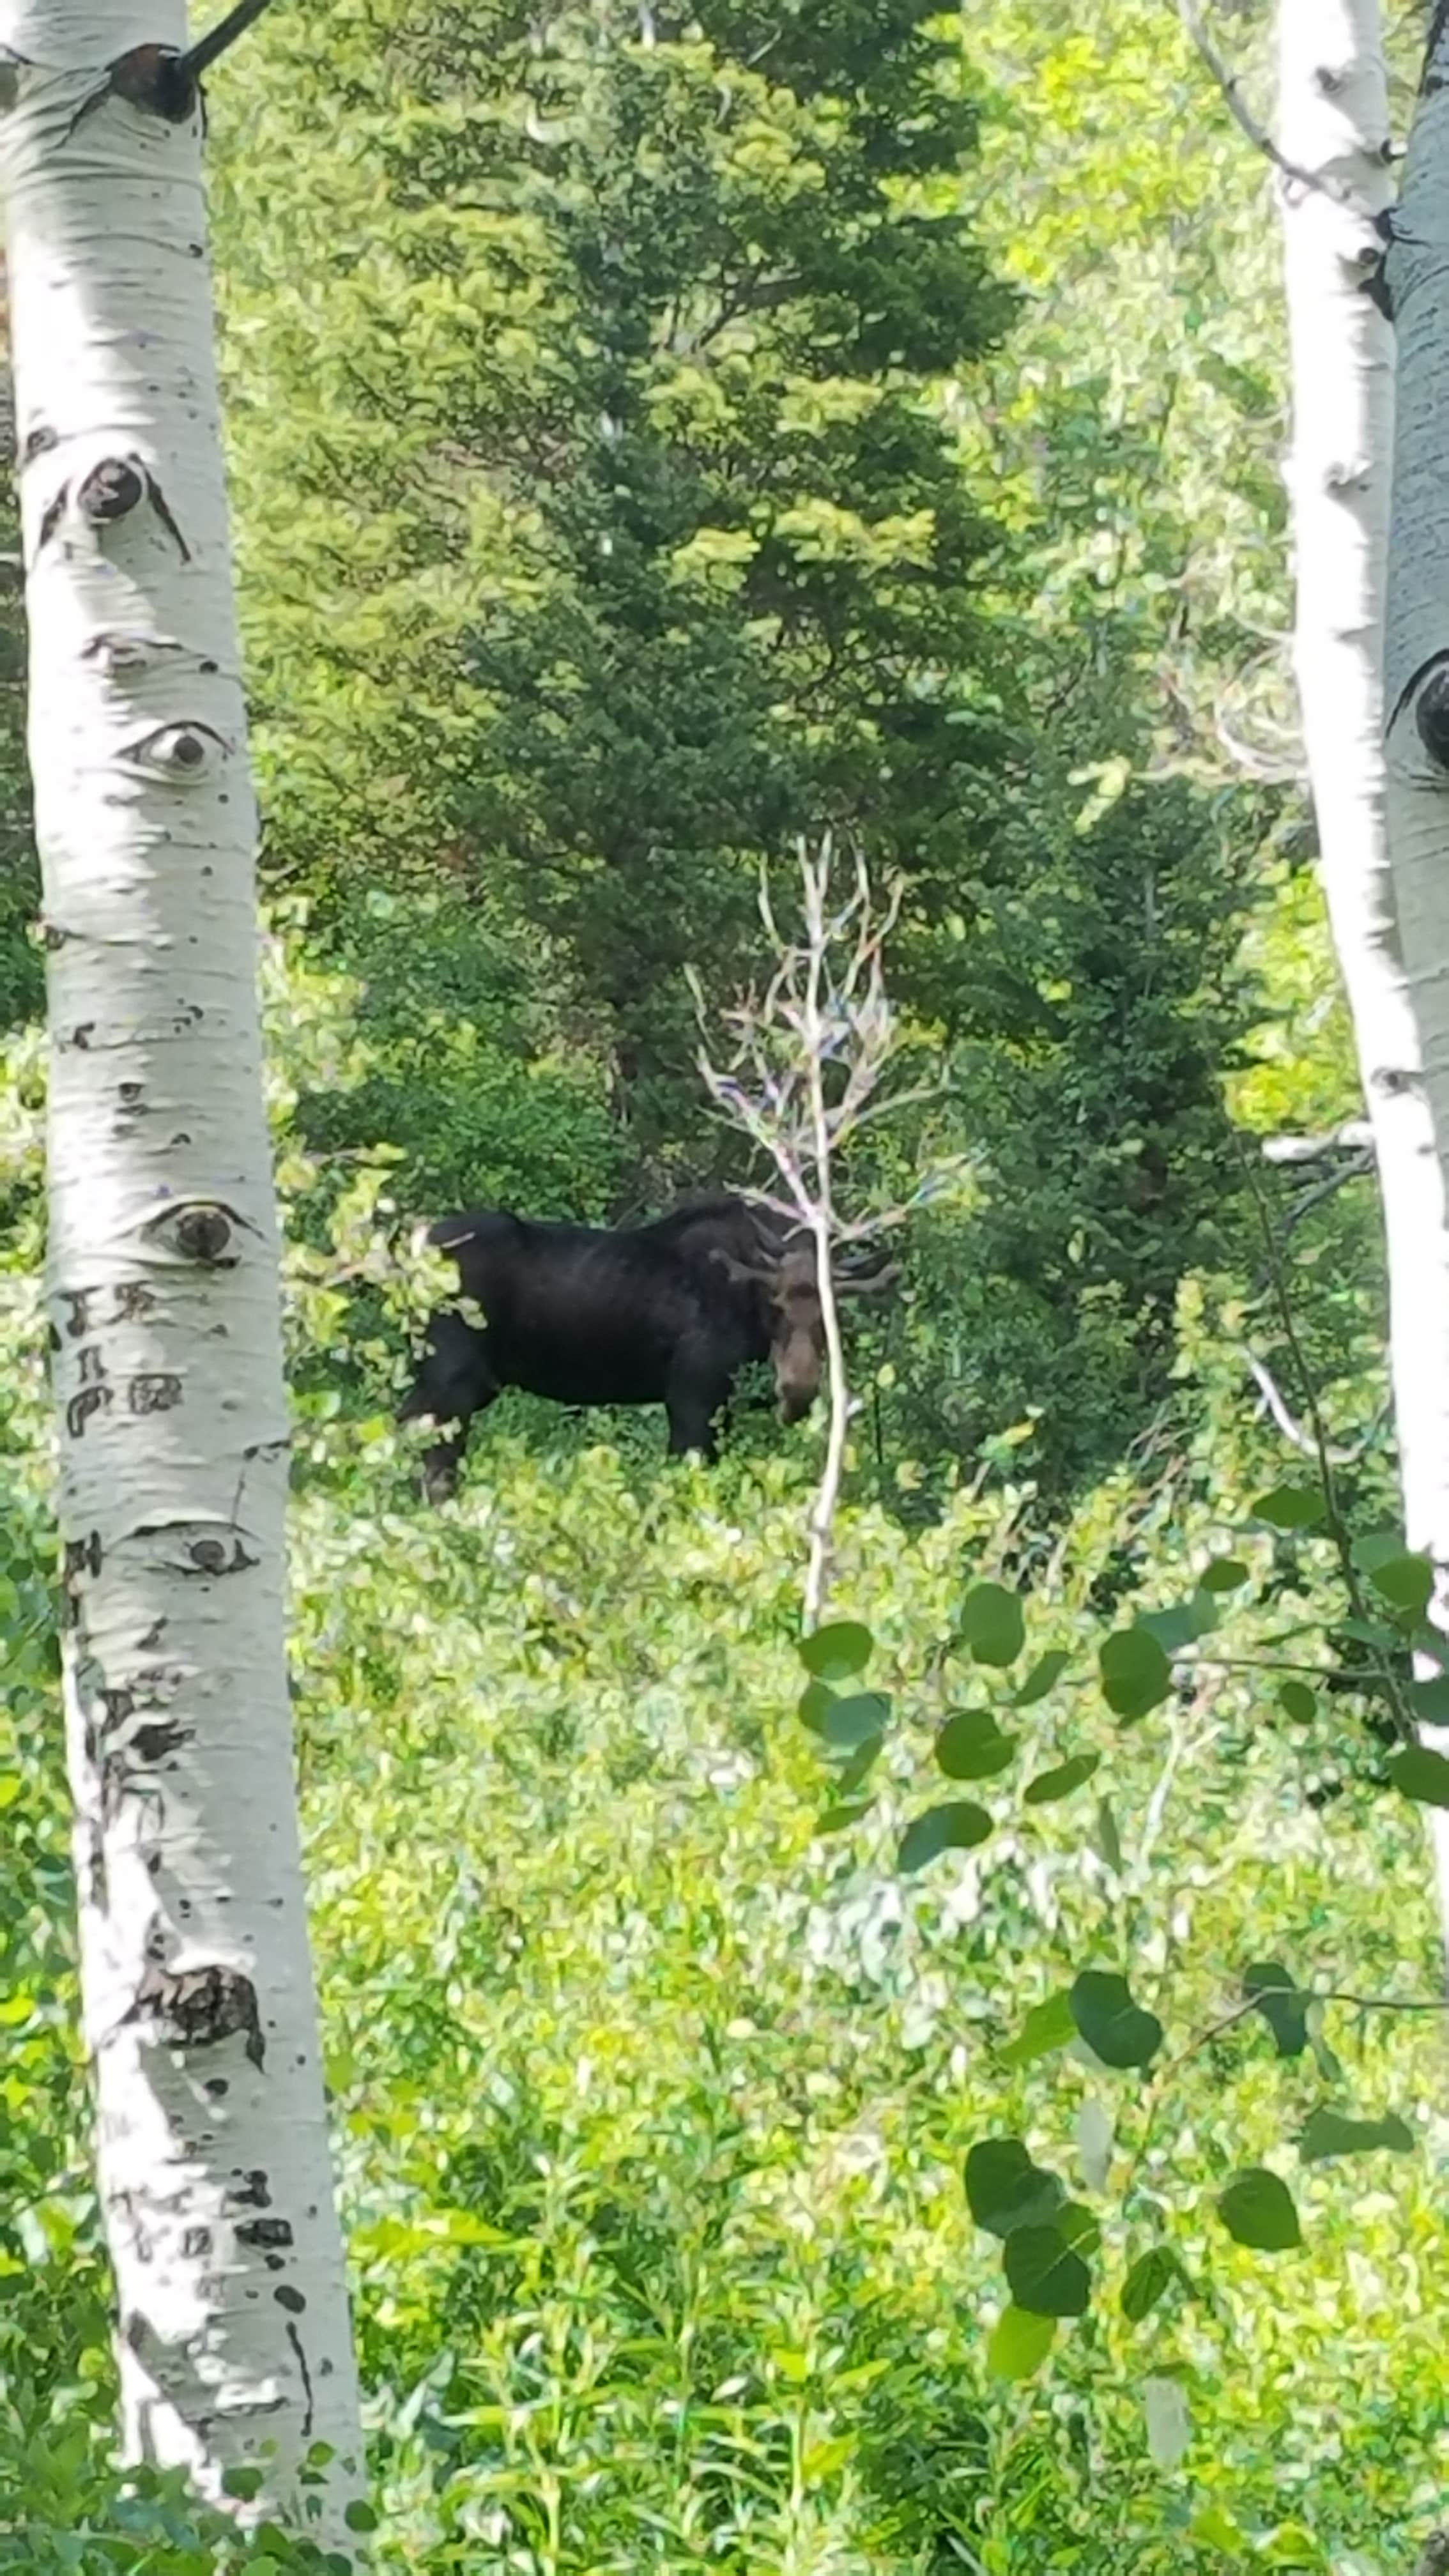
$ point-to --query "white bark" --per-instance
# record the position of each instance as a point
(213, 2157)
(1416, 698)
(1333, 128)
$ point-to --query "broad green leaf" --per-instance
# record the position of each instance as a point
(1291, 1507)
(812, 1704)
(1151, 2277)
(848, 1724)
(1328, 2133)
(1059, 1782)
(971, 1746)
(1182, 1624)
(1257, 2210)
(1369, 1632)
(1169, 2420)
(1406, 1581)
(1420, 1774)
(1328, 2065)
(1005, 2190)
(846, 1812)
(1077, 2225)
(837, 1652)
(1045, 2273)
(1095, 2141)
(1108, 1841)
(991, 1625)
(956, 1826)
(1274, 1989)
(1047, 2026)
(851, 1774)
(1377, 1547)
(1225, 1574)
(1044, 1674)
(1136, 1675)
(1429, 1701)
(1297, 1701)
(1019, 2344)
(1115, 2029)
(11, 1786)
(1214, 2528)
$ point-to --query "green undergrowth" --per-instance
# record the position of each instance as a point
(653, 2101)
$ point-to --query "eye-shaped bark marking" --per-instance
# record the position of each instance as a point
(180, 753)
(200, 1230)
(109, 493)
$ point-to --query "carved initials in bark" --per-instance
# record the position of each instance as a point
(197, 2007)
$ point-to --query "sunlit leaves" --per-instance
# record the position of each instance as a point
(1019, 2344)
(1095, 2140)
(1257, 2209)
(1047, 2026)
(1136, 1673)
(1106, 1840)
(1116, 2029)
(957, 1826)
(1329, 2133)
(1168, 2420)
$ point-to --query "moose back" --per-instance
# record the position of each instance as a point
(664, 1313)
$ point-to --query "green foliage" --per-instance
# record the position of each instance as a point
(651, 477)
(699, 509)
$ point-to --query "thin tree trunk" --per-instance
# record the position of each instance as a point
(214, 2167)
(1416, 699)
(1333, 133)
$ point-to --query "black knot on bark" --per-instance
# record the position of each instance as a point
(203, 1233)
(156, 77)
(1431, 715)
(112, 489)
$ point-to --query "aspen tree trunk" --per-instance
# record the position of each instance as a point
(1333, 132)
(214, 2167)
(1416, 702)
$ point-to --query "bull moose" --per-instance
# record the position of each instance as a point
(667, 1313)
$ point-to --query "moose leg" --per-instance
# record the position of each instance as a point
(693, 1398)
(453, 1383)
